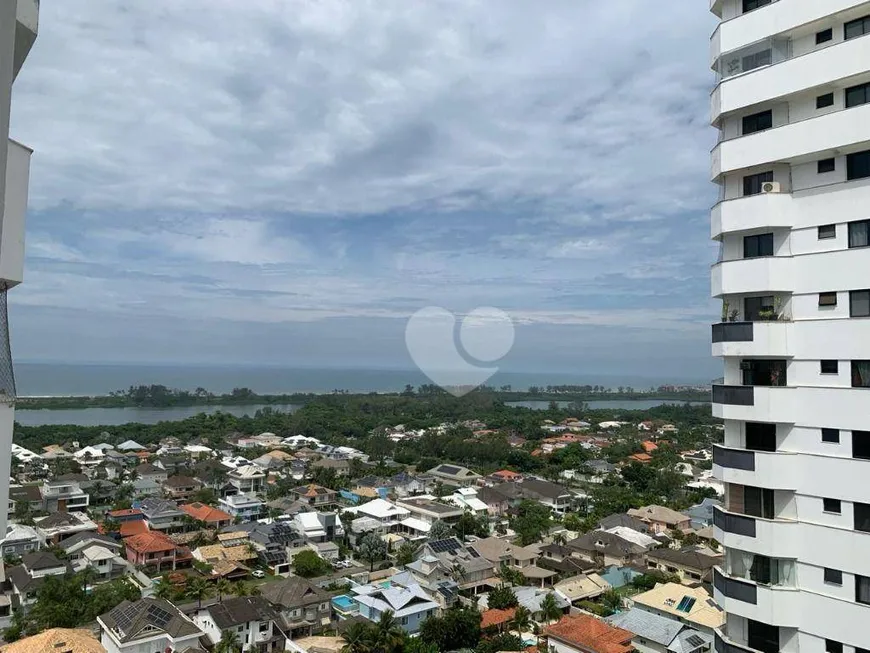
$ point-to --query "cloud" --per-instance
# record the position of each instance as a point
(289, 161)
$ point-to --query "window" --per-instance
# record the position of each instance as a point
(834, 576)
(858, 165)
(831, 505)
(824, 36)
(756, 246)
(826, 165)
(757, 122)
(862, 589)
(752, 183)
(833, 647)
(854, 28)
(861, 374)
(760, 569)
(862, 517)
(757, 60)
(754, 308)
(827, 299)
(857, 95)
(861, 445)
(859, 234)
(758, 502)
(859, 303)
(827, 231)
(760, 437)
(763, 372)
(762, 637)
(831, 435)
(829, 367)
(751, 5)
(826, 100)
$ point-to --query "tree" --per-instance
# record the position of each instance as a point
(503, 642)
(440, 531)
(358, 638)
(372, 549)
(223, 586)
(459, 628)
(229, 643)
(241, 588)
(530, 521)
(308, 564)
(199, 589)
(389, 636)
(469, 524)
(612, 601)
(550, 610)
(405, 554)
(522, 619)
(502, 597)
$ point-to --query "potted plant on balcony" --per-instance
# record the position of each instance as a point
(726, 307)
(767, 315)
(732, 316)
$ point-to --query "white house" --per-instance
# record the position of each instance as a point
(410, 604)
(252, 619)
(146, 626)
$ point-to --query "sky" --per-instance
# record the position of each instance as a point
(286, 182)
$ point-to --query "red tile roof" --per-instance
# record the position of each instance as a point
(591, 634)
(205, 513)
(640, 457)
(506, 473)
(129, 528)
(648, 446)
(125, 512)
(150, 542)
(496, 617)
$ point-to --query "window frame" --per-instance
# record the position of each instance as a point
(864, 447)
(860, 373)
(757, 122)
(761, 244)
(852, 237)
(825, 100)
(824, 166)
(752, 5)
(765, 303)
(855, 96)
(828, 298)
(825, 235)
(863, 296)
(833, 366)
(824, 36)
(864, 22)
(833, 646)
(832, 506)
(858, 165)
(833, 576)
(827, 432)
(859, 581)
(755, 182)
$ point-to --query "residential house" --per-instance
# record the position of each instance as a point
(562, 559)
(156, 549)
(57, 640)
(341, 467)
(147, 487)
(148, 625)
(531, 599)
(26, 495)
(454, 475)
(252, 619)
(304, 607)
(584, 633)
(316, 495)
(655, 633)
(125, 515)
(410, 604)
(556, 497)
(661, 518)
(502, 552)
(98, 553)
(273, 542)
(208, 516)
(606, 548)
(197, 451)
(692, 606)
(63, 495)
(20, 539)
(497, 502)
(467, 499)
(174, 464)
(408, 485)
(59, 526)
(316, 527)
(691, 565)
(180, 487)
(582, 587)
(618, 576)
(701, 514)
(242, 506)
(161, 514)
(506, 476)
(622, 519)
(423, 511)
(231, 557)
(247, 479)
(26, 578)
(130, 446)
(147, 471)
(446, 559)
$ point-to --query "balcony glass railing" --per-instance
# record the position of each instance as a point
(734, 395)
(757, 55)
(735, 589)
(731, 523)
(733, 458)
(733, 332)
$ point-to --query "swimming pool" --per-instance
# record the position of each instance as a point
(344, 602)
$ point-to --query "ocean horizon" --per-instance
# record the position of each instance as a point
(46, 379)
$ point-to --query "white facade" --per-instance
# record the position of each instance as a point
(18, 27)
(792, 162)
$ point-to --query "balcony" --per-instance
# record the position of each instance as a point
(769, 274)
(770, 537)
(724, 645)
(26, 27)
(827, 133)
(734, 459)
(790, 76)
(770, 404)
(752, 212)
(12, 230)
(767, 339)
(774, 470)
(775, 605)
(733, 588)
(734, 395)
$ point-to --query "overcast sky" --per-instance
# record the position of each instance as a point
(287, 181)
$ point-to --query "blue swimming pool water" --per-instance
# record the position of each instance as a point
(344, 601)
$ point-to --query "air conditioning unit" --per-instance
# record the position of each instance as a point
(771, 187)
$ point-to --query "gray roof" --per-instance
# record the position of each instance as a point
(686, 558)
(129, 618)
(154, 505)
(612, 544)
(89, 537)
(41, 560)
(241, 610)
(623, 519)
(648, 625)
(294, 592)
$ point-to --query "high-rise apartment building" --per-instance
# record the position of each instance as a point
(792, 106)
(18, 27)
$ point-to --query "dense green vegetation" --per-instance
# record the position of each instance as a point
(161, 396)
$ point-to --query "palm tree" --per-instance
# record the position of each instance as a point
(223, 586)
(611, 600)
(358, 638)
(559, 538)
(389, 634)
(229, 643)
(550, 610)
(522, 620)
(164, 589)
(199, 589)
(241, 588)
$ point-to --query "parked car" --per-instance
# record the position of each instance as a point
(258, 573)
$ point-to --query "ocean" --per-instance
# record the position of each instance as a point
(60, 379)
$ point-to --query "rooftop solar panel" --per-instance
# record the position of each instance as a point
(694, 641)
(448, 469)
